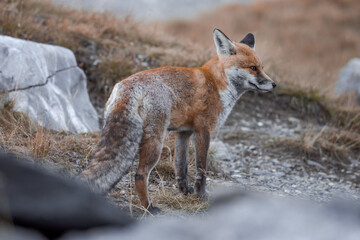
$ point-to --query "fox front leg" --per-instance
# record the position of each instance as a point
(181, 161)
(202, 142)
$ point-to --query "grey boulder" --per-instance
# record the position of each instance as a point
(349, 79)
(45, 202)
(246, 217)
(45, 83)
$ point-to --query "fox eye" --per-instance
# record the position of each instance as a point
(253, 68)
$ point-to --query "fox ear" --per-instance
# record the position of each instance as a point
(249, 40)
(224, 46)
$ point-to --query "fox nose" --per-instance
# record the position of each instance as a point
(274, 85)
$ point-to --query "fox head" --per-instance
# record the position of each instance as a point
(242, 67)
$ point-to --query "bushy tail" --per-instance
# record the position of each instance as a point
(118, 147)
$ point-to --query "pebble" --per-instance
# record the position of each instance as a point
(316, 164)
(252, 148)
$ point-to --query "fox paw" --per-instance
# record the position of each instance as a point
(154, 210)
(186, 190)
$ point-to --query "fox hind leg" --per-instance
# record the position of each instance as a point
(202, 142)
(149, 155)
(181, 161)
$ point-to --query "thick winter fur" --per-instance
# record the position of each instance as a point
(190, 101)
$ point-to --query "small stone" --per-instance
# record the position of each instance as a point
(252, 147)
(293, 119)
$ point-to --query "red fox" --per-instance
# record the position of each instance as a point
(190, 101)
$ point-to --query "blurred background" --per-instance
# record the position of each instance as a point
(150, 9)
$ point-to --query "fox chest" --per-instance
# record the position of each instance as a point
(228, 98)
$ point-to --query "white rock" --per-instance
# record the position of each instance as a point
(45, 83)
(349, 79)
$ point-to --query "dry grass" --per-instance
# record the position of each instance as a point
(347, 119)
(339, 139)
(39, 145)
(335, 143)
(167, 198)
(19, 134)
(173, 200)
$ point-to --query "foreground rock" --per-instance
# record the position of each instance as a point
(246, 217)
(349, 79)
(45, 83)
(36, 199)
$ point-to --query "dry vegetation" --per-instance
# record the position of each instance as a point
(340, 141)
(66, 151)
(303, 43)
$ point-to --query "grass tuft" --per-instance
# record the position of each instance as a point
(338, 144)
(174, 200)
(19, 134)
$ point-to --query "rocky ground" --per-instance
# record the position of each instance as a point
(247, 150)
